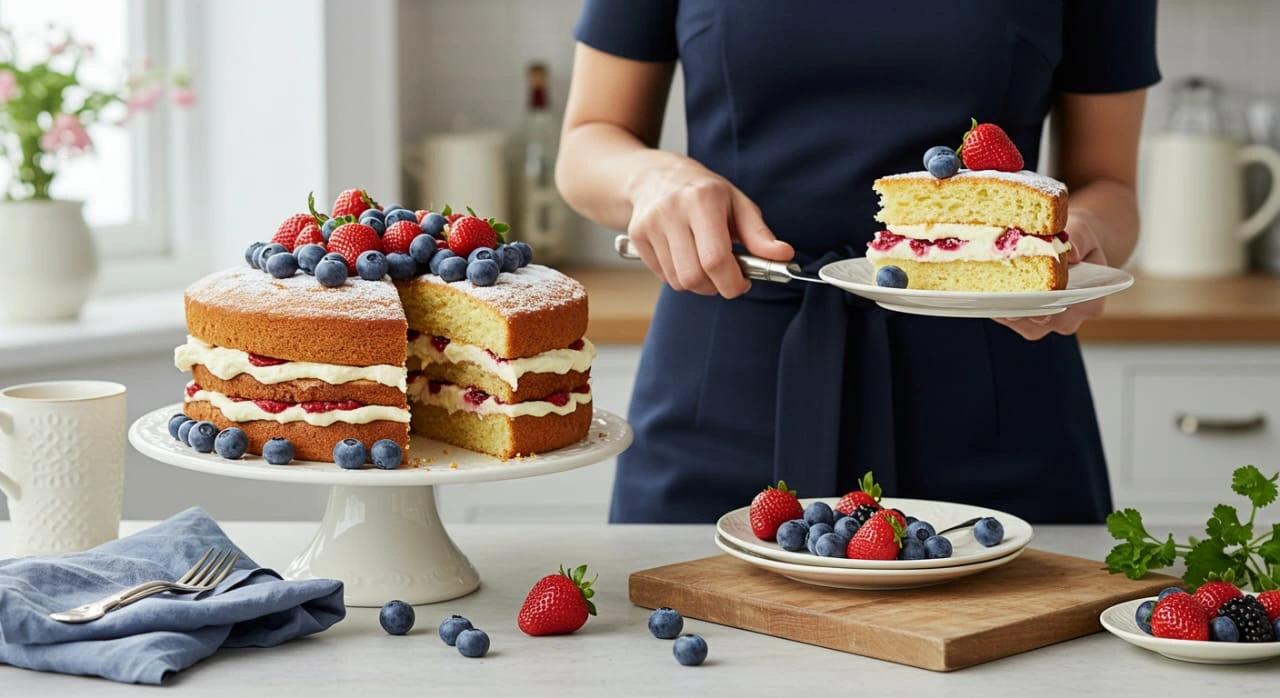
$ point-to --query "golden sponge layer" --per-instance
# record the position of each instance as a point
(973, 199)
(1018, 274)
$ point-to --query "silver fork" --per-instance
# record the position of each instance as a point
(204, 575)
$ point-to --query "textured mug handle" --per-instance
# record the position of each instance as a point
(7, 484)
(1266, 156)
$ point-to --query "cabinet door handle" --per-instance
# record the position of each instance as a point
(1191, 424)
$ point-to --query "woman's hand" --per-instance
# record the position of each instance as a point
(1085, 247)
(683, 223)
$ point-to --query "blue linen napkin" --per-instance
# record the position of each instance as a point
(141, 643)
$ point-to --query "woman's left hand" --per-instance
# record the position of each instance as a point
(1084, 248)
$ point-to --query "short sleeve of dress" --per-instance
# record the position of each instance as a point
(1108, 46)
(642, 30)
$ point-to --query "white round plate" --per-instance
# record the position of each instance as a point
(863, 579)
(1119, 620)
(735, 527)
(608, 437)
(1085, 282)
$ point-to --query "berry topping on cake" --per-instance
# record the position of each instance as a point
(260, 360)
(288, 231)
(482, 272)
(469, 233)
(941, 161)
(771, 508)
(452, 269)
(433, 224)
(309, 235)
(397, 214)
(371, 265)
(309, 256)
(251, 252)
(987, 147)
(399, 236)
(401, 267)
(331, 273)
(282, 265)
(558, 399)
(352, 202)
(352, 240)
(423, 248)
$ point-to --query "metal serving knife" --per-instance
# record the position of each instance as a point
(752, 267)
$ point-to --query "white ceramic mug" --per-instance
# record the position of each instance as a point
(62, 464)
(1193, 218)
(461, 169)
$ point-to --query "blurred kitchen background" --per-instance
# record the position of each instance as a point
(462, 99)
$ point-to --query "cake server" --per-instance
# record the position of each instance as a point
(752, 267)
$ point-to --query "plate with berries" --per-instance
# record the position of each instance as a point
(1218, 624)
(862, 530)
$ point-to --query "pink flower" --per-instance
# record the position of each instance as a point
(67, 133)
(183, 96)
(59, 48)
(8, 86)
(144, 99)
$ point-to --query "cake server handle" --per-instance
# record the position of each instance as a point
(752, 267)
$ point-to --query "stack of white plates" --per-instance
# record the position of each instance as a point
(734, 536)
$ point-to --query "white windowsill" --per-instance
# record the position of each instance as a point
(108, 328)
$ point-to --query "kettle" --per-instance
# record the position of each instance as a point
(1194, 222)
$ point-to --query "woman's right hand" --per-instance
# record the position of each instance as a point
(683, 223)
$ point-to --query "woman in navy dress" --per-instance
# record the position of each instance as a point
(793, 109)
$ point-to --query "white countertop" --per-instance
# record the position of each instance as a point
(614, 654)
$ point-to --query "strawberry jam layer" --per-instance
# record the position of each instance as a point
(442, 350)
(971, 242)
(472, 399)
(227, 363)
(316, 413)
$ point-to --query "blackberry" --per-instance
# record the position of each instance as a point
(1250, 618)
(863, 513)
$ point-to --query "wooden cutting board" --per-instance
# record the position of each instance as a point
(1037, 600)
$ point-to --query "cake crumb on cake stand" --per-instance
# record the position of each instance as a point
(381, 533)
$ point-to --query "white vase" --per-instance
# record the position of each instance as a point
(49, 262)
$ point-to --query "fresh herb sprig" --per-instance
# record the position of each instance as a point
(1229, 550)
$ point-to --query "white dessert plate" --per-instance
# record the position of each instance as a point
(735, 527)
(1119, 620)
(1085, 282)
(874, 580)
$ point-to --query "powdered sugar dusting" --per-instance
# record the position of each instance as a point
(530, 289)
(248, 290)
(1035, 180)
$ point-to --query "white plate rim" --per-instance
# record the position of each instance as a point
(1117, 618)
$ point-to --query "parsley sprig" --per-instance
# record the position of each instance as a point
(1229, 550)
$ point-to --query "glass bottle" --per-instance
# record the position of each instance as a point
(544, 218)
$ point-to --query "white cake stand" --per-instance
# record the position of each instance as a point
(381, 534)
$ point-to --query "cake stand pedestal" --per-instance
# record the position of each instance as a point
(381, 533)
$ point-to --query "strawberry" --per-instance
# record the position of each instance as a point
(288, 231)
(771, 508)
(1180, 617)
(310, 235)
(869, 494)
(987, 147)
(353, 202)
(880, 538)
(1270, 600)
(469, 233)
(1212, 595)
(421, 213)
(398, 237)
(558, 604)
(352, 240)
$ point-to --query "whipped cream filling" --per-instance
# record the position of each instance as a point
(249, 411)
(454, 399)
(965, 242)
(228, 363)
(558, 361)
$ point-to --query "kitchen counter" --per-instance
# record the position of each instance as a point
(1237, 310)
(614, 654)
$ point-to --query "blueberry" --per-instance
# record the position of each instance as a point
(910, 519)
(1223, 629)
(386, 454)
(912, 549)
(328, 227)
(176, 421)
(480, 253)
(526, 252)
(282, 265)
(450, 627)
(836, 516)
(1143, 615)
(252, 251)
(399, 214)
(433, 224)
(396, 617)
(422, 249)
(335, 256)
(452, 269)
(511, 258)
(935, 151)
(847, 526)
(690, 650)
(818, 512)
(1276, 627)
(278, 451)
(666, 623)
(438, 259)
(944, 165)
(891, 277)
(831, 545)
(184, 430)
(331, 273)
(374, 214)
(988, 531)
(937, 547)
(349, 453)
(202, 435)
(817, 531)
(401, 267)
(921, 530)
(482, 272)
(308, 257)
(377, 224)
(371, 265)
(267, 252)
(791, 535)
(473, 643)
(1169, 590)
(231, 443)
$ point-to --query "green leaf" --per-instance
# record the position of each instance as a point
(1209, 556)
(472, 212)
(870, 486)
(447, 211)
(1225, 526)
(1127, 525)
(1135, 559)
(311, 206)
(1270, 549)
(1249, 482)
(591, 607)
(501, 228)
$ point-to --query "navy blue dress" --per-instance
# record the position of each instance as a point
(802, 104)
